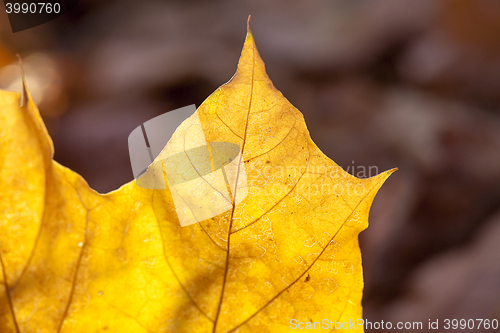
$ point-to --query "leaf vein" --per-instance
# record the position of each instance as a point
(222, 121)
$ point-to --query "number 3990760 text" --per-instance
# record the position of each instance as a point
(33, 8)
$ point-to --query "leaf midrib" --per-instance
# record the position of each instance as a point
(234, 195)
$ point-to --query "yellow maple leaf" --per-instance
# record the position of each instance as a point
(285, 253)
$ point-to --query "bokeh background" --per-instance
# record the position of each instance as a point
(385, 83)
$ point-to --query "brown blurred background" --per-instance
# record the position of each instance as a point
(386, 83)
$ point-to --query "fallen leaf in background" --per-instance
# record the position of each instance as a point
(74, 260)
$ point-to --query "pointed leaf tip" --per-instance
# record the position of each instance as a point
(24, 92)
(249, 30)
(250, 66)
(390, 172)
(384, 175)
